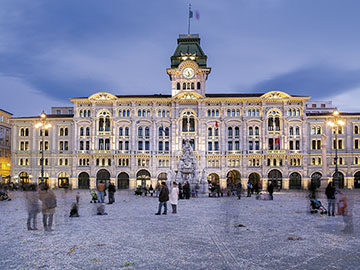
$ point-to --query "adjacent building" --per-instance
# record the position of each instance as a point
(5, 145)
(137, 139)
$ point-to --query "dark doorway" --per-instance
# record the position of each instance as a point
(143, 178)
(357, 180)
(295, 181)
(275, 177)
(338, 180)
(103, 175)
(254, 178)
(316, 179)
(83, 181)
(123, 181)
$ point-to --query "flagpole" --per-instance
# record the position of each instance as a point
(189, 19)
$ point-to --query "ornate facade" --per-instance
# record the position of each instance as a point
(138, 139)
(5, 143)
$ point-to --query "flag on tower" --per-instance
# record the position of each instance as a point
(190, 13)
(197, 15)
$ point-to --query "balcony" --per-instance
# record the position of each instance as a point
(101, 151)
(276, 151)
(213, 152)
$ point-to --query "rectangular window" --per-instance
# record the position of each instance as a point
(166, 146)
(216, 146)
(161, 148)
(120, 145)
(271, 144)
(81, 145)
(297, 145)
(140, 145)
(356, 146)
(147, 145)
(257, 145)
(209, 146)
(126, 145)
(291, 145)
(251, 145)
(58, 111)
(237, 145)
(87, 145)
(230, 146)
(318, 144)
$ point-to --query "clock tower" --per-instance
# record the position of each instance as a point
(188, 72)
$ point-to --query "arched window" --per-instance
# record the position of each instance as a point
(148, 113)
(230, 131)
(192, 85)
(209, 132)
(291, 131)
(256, 130)
(81, 113)
(228, 112)
(216, 132)
(128, 113)
(178, 86)
(120, 131)
(188, 122)
(87, 131)
(237, 132)
(81, 131)
(249, 112)
(257, 112)
(139, 113)
(147, 132)
(277, 123)
(163, 113)
(297, 112)
(289, 112)
(167, 132)
(144, 113)
(126, 131)
(198, 85)
(140, 131)
(233, 112)
(217, 112)
(250, 131)
(89, 113)
(356, 129)
(209, 113)
(253, 112)
(161, 131)
(237, 112)
(104, 121)
(297, 131)
(184, 86)
(22, 132)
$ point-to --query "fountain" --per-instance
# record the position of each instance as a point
(188, 171)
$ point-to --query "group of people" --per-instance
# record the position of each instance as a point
(185, 190)
(165, 195)
(336, 198)
(101, 189)
(48, 200)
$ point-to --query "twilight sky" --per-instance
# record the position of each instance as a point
(51, 51)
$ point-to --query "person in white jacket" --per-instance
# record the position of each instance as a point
(174, 197)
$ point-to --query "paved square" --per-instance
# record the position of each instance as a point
(203, 235)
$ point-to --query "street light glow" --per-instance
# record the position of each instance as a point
(335, 112)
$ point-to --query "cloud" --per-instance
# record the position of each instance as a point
(24, 100)
(347, 101)
(320, 82)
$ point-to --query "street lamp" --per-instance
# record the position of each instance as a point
(43, 126)
(335, 124)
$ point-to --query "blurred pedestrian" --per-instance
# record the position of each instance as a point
(77, 197)
(330, 194)
(238, 190)
(111, 190)
(151, 190)
(48, 199)
(33, 207)
(270, 189)
(174, 197)
(101, 191)
(163, 198)
(249, 188)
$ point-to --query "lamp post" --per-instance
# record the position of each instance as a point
(335, 124)
(43, 126)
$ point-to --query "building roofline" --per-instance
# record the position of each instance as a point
(330, 114)
(6, 112)
(48, 116)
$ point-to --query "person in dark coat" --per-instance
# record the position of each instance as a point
(180, 192)
(238, 190)
(312, 190)
(187, 190)
(270, 189)
(111, 190)
(330, 194)
(163, 198)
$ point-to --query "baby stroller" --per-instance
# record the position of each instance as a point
(316, 205)
(4, 196)
(94, 197)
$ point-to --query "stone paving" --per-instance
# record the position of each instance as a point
(205, 234)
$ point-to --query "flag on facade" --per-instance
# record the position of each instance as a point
(277, 141)
(216, 124)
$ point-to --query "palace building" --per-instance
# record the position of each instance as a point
(5, 144)
(137, 139)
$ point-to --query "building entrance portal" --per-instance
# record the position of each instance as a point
(275, 177)
(84, 181)
(103, 175)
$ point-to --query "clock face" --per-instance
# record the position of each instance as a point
(188, 73)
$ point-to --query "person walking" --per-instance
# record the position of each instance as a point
(151, 190)
(33, 207)
(238, 190)
(270, 189)
(174, 197)
(77, 197)
(48, 199)
(101, 191)
(330, 194)
(187, 190)
(111, 190)
(163, 198)
(249, 188)
(157, 190)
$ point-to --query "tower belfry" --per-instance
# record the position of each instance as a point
(189, 69)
